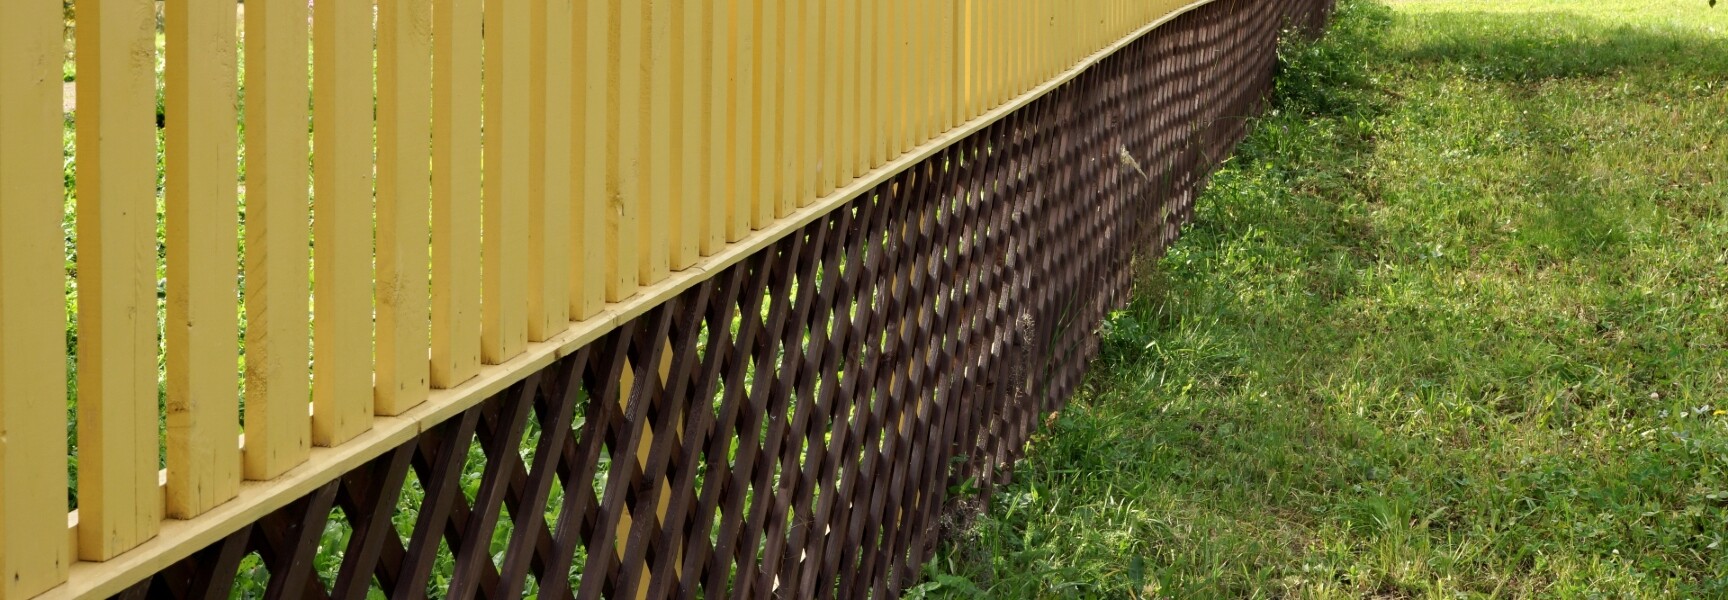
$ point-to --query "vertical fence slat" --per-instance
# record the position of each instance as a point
(663, 218)
(1029, 33)
(810, 65)
(1046, 46)
(720, 124)
(34, 551)
(278, 431)
(903, 76)
(597, 137)
(1018, 48)
(402, 289)
(693, 117)
(863, 30)
(456, 163)
(631, 117)
(657, 168)
(923, 59)
(1005, 51)
(828, 163)
(342, 221)
(846, 30)
(118, 502)
(770, 116)
(549, 199)
(792, 106)
(999, 27)
(745, 110)
(202, 208)
(911, 64)
(1035, 31)
(1029, 44)
(905, 105)
(962, 60)
(973, 62)
(985, 32)
(920, 59)
(504, 298)
(891, 75)
(953, 41)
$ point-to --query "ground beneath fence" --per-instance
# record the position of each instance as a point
(1451, 325)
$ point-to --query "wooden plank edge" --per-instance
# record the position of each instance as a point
(179, 539)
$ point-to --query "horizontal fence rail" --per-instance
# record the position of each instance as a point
(596, 298)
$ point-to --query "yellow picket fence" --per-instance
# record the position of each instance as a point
(484, 183)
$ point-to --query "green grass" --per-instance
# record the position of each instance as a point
(1450, 325)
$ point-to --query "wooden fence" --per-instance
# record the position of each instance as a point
(709, 297)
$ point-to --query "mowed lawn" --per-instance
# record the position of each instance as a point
(1452, 324)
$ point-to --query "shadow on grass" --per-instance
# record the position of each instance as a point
(1528, 47)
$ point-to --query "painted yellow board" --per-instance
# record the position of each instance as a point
(278, 430)
(117, 453)
(721, 126)
(202, 212)
(342, 221)
(870, 83)
(1026, 42)
(1002, 35)
(745, 111)
(770, 116)
(924, 61)
(974, 62)
(694, 240)
(908, 69)
(904, 74)
(828, 115)
(1017, 47)
(845, 29)
(875, 134)
(810, 146)
(549, 182)
(504, 287)
(951, 40)
(981, 26)
(1028, 46)
(624, 228)
(791, 115)
(596, 139)
(983, 15)
(456, 163)
(920, 63)
(962, 60)
(1040, 25)
(1004, 41)
(1078, 15)
(1046, 47)
(662, 221)
(402, 290)
(34, 550)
